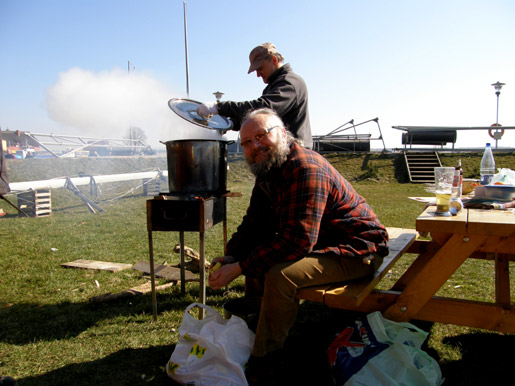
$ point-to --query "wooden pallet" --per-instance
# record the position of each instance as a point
(35, 203)
(151, 187)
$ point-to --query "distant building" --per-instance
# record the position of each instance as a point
(18, 144)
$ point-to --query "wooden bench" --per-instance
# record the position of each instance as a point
(352, 293)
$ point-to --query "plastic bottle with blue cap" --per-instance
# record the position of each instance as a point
(487, 168)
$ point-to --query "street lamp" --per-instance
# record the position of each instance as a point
(498, 133)
(497, 87)
(218, 95)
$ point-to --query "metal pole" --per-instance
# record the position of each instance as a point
(202, 270)
(183, 268)
(497, 114)
(497, 119)
(186, 50)
(152, 273)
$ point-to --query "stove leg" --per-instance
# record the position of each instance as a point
(225, 234)
(152, 277)
(183, 274)
(202, 273)
(225, 226)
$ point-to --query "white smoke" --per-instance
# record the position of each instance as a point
(108, 103)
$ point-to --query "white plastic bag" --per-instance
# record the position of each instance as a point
(505, 177)
(212, 350)
(378, 351)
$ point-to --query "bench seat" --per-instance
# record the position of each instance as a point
(355, 291)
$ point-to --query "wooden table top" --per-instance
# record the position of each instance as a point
(488, 222)
(491, 222)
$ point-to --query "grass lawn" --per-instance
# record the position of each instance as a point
(52, 334)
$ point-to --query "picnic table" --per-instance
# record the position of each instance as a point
(472, 233)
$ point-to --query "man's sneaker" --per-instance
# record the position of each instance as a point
(7, 381)
(267, 370)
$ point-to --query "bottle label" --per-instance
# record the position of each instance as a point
(456, 184)
(456, 179)
(486, 179)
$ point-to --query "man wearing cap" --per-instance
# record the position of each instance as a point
(286, 93)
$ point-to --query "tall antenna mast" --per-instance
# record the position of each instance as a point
(186, 49)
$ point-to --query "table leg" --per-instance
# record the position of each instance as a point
(152, 277)
(502, 278)
(423, 258)
(430, 278)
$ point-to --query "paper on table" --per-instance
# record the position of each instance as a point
(425, 200)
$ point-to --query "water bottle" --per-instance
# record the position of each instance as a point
(487, 168)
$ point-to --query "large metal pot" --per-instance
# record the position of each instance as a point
(197, 166)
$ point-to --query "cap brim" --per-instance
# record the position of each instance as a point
(255, 65)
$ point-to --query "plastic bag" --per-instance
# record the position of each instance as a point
(378, 351)
(212, 350)
(505, 177)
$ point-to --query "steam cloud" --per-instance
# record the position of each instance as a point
(108, 103)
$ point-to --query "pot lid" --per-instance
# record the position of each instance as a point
(187, 109)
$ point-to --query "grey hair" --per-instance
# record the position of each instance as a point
(279, 57)
(276, 121)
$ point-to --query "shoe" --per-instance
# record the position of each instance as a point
(7, 381)
(265, 371)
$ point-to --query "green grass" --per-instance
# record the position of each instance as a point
(51, 334)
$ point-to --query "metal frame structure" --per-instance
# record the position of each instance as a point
(354, 138)
(72, 143)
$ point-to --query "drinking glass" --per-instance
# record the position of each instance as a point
(443, 190)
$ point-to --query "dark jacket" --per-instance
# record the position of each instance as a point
(287, 94)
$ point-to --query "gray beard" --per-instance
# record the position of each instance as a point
(276, 157)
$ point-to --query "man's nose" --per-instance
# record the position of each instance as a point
(255, 143)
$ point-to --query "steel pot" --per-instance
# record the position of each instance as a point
(197, 167)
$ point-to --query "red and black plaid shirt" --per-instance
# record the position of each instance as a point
(303, 207)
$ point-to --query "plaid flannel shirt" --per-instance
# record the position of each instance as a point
(304, 207)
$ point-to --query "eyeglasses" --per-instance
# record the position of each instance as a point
(258, 137)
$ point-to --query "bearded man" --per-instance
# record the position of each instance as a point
(305, 226)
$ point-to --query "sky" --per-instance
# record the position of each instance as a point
(98, 67)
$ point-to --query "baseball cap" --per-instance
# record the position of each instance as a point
(258, 55)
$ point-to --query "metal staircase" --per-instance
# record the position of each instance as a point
(421, 166)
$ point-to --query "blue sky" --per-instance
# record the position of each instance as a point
(64, 63)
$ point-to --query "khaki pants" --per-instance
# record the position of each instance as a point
(279, 307)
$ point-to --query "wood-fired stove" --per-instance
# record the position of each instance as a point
(184, 213)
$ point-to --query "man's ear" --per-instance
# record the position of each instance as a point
(283, 133)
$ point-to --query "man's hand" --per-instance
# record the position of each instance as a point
(225, 274)
(205, 110)
(222, 260)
